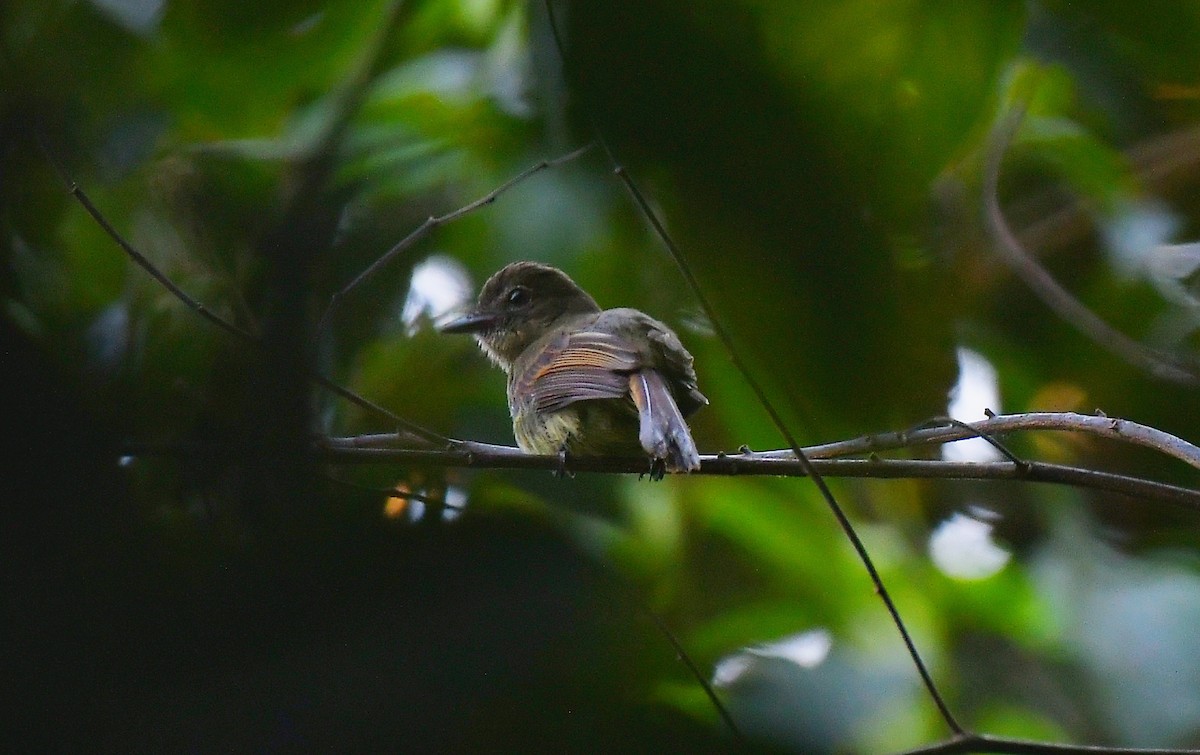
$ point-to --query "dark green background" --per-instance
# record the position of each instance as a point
(818, 163)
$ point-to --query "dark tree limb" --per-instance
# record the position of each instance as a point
(433, 223)
(487, 456)
(983, 743)
(1099, 425)
(239, 333)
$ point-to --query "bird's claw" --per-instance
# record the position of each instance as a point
(658, 469)
(561, 470)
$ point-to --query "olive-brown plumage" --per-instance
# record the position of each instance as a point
(582, 380)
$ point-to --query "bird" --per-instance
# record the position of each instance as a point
(582, 380)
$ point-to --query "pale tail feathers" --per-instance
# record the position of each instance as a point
(664, 434)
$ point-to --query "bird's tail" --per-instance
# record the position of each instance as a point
(664, 433)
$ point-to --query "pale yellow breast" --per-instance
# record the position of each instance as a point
(547, 434)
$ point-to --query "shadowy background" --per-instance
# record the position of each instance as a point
(181, 575)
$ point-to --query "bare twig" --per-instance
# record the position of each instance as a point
(983, 743)
(784, 462)
(138, 258)
(487, 456)
(1054, 296)
(1099, 425)
(682, 654)
(974, 432)
(434, 222)
(777, 419)
(237, 332)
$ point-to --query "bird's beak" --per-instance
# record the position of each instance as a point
(471, 322)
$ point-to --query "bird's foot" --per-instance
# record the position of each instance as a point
(561, 470)
(658, 469)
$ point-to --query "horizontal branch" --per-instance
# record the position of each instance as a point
(357, 450)
(983, 743)
(1098, 425)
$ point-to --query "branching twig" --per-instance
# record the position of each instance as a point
(735, 356)
(487, 456)
(983, 743)
(237, 332)
(1054, 296)
(973, 432)
(1099, 425)
(434, 222)
(138, 258)
(682, 654)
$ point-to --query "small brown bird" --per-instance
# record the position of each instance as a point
(581, 380)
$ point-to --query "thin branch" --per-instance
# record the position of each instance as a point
(196, 306)
(434, 222)
(784, 462)
(810, 470)
(1054, 296)
(1099, 425)
(775, 418)
(487, 456)
(983, 743)
(682, 654)
(138, 258)
(975, 432)
(405, 426)
(759, 393)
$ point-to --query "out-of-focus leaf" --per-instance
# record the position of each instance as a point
(1021, 723)
(750, 623)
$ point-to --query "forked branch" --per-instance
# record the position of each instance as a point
(829, 458)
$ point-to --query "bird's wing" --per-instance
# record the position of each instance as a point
(662, 351)
(676, 363)
(578, 366)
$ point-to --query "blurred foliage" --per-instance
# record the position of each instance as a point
(819, 164)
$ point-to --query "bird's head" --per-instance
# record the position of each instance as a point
(518, 305)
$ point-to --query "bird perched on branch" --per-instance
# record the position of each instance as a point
(581, 380)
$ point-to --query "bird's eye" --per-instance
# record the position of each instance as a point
(519, 296)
